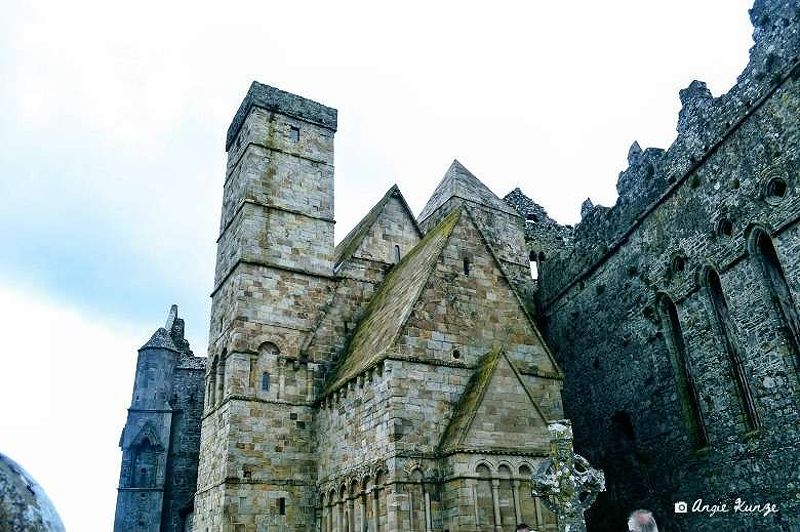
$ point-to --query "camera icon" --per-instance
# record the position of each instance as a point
(681, 507)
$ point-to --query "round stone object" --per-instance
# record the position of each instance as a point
(24, 506)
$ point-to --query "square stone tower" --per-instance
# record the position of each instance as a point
(274, 269)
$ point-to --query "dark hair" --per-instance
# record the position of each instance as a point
(522, 526)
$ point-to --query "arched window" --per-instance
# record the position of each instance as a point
(262, 367)
(727, 331)
(396, 254)
(145, 465)
(211, 387)
(220, 384)
(775, 279)
(687, 390)
(483, 498)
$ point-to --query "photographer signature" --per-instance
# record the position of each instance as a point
(739, 506)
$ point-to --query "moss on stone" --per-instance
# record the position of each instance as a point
(392, 304)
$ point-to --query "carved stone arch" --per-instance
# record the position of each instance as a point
(268, 347)
(484, 463)
(147, 432)
(144, 463)
(521, 470)
(506, 465)
(412, 466)
(263, 370)
(751, 234)
(702, 272)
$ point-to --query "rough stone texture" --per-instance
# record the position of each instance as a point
(24, 505)
(334, 373)
(349, 390)
(161, 438)
(700, 401)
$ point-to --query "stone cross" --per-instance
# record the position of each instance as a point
(565, 481)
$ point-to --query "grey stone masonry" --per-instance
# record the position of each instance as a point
(674, 312)
(161, 439)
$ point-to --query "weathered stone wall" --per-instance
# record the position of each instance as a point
(160, 441)
(631, 374)
(274, 269)
(353, 427)
(394, 227)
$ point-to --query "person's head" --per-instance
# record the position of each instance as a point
(642, 521)
(522, 527)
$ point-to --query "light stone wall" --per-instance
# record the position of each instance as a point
(471, 313)
(273, 270)
(353, 427)
(393, 227)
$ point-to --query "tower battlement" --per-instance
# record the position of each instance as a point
(273, 99)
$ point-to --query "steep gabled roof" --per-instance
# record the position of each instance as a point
(468, 405)
(161, 339)
(390, 307)
(461, 183)
(349, 244)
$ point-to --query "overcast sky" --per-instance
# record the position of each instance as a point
(112, 129)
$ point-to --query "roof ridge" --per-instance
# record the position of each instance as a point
(355, 360)
(350, 243)
(471, 399)
(459, 182)
(517, 297)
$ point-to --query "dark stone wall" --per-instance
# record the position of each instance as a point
(161, 439)
(637, 389)
(184, 449)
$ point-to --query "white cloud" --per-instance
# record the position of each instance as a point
(65, 385)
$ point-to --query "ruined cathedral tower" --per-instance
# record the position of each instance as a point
(274, 268)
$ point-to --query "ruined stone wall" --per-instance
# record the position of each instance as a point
(184, 447)
(707, 408)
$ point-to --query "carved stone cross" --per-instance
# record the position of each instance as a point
(566, 482)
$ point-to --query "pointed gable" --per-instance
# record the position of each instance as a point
(459, 182)
(390, 307)
(469, 305)
(390, 222)
(496, 411)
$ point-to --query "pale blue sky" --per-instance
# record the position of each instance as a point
(112, 127)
